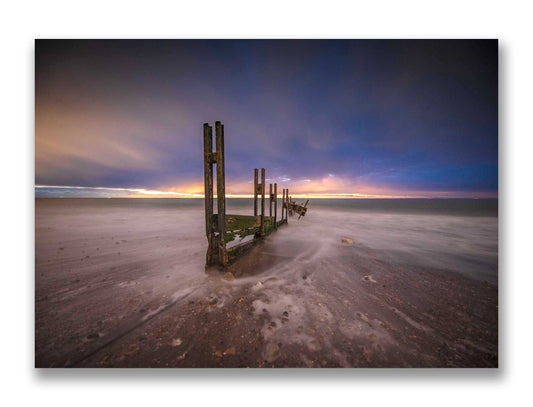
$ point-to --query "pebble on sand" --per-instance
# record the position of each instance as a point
(369, 278)
(177, 342)
(347, 241)
(228, 276)
(272, 352)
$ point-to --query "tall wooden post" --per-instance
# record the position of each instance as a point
(208, 193)
(282, 199)
(286, 210)
(289, 200)
(221, 194)
(255, 191)
(270, 201)
(286, 206)
(262, 202)
(283, 205)
(275, 206)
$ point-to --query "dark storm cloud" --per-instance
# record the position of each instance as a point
(390, 115)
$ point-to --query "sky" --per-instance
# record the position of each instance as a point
(325, 118)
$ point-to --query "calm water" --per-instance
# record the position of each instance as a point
(458, 207)
(451, 234)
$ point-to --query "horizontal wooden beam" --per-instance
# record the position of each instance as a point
(211, 158)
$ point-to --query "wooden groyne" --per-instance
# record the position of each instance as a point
(228, 236)
(294, 207)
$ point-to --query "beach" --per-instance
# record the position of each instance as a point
(122, 283)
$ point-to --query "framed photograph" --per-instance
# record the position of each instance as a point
(266, 203)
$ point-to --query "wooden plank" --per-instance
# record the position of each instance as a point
(238, 222)
(243, 225)
(299, 209)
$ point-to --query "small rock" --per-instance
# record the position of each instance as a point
(347, 241)
(285, 314)
(272, 352)
(177, 342)
(228, 276)
(218, 354)
(369, 278)
(230, 351)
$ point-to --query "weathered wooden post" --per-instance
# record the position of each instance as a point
(287, 209)
(221, 194)
(283, 205)
(262, 230)
(255, 191)
(289, 206)
(270, 201)
(212, 249)
(275, 206)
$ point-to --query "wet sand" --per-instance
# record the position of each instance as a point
(126, 287)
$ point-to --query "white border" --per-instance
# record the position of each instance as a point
(508, 21)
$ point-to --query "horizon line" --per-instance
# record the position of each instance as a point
(148, 193)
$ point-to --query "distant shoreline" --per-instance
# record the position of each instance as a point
(251, 197)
